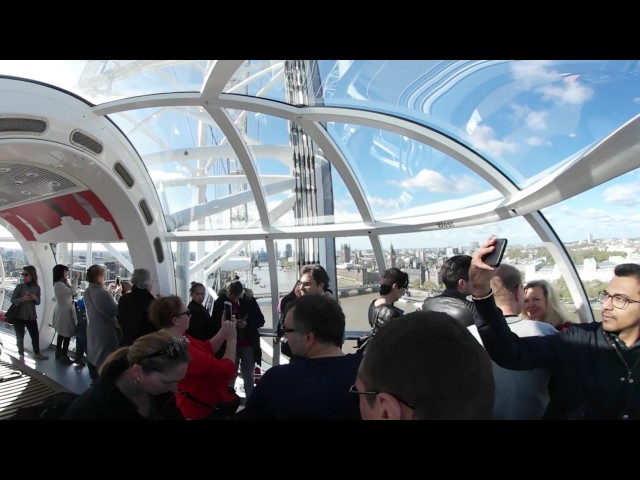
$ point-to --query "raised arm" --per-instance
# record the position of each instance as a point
(505, 347)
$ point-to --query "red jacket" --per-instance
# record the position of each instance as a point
(207, 380)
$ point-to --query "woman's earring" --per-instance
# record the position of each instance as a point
(137, 380)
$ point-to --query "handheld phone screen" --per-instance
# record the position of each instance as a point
(494, 258)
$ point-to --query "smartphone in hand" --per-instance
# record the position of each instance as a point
(227, 310)
(117, 281)
(494, 258)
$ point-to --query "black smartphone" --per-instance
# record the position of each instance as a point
(494, 258)
(227, 310)
(117, 281)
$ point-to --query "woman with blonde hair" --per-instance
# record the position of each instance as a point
(542, 303)
(134, 381)
(103, 331)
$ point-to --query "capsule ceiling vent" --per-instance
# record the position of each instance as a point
(13, 124)
(146, 212)
(123, 173)
(85, 141)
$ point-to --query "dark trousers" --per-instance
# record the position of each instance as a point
(62, 346)
(81, 346)
(32, 326)
(93, 371)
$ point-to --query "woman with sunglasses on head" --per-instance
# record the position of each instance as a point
(134, 382)
(27, 296)
(204, 392)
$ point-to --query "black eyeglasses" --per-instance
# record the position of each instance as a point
(618, 301)
(187, 313)
(25, 274)
(285, 331)
(175, 349)
(354, 391)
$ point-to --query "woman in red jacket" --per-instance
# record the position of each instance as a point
(204, 389)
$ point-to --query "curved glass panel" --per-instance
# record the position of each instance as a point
(527, 117)
(108, 80)
(401, 176)
(100, 81)
(259, 78)
(191, 164)
(599, 229)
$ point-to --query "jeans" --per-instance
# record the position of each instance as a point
(32, 327)
(245, 358)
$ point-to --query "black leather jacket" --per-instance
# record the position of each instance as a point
(452, 303)
(381, 314)
(595, 375)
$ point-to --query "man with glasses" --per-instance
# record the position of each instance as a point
(314, 280)
(424, 366)
(454, 273)
(316, 388)
(596, 365)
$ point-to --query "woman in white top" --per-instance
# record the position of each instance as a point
(64, 313)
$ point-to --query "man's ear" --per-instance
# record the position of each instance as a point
(388, 407)
(309, 338)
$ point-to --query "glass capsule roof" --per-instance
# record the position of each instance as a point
(410, 143)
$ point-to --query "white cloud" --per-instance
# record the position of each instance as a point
(571, 91)
(622, 194)
(534, 72)
(159, 176)
(536, 120)
(436, 182)
(484, 140)
(538, 141)
(538, 75)
(593, 214)
(399, 203)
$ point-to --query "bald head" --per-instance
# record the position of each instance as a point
(507, 289)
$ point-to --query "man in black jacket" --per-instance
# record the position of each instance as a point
(133, 308)
(596, 365)
(454, 273)
(249, 318)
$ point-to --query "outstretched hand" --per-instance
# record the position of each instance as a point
(480, 273)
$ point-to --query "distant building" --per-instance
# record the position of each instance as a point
(392, 257)
(590, 270)
(346, 253)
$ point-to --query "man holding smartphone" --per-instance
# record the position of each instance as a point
(596, 366)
